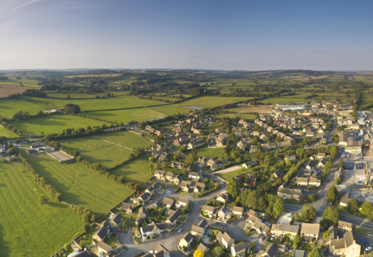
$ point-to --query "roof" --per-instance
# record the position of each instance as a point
(261, 226)
(271, 250)
(308, 228)
(83, 254)
(102, 231)
(237, 209)
(209, 208)
(168, 201)
(183, 200)
(147, 228)
(197, 229)
(202, 223)
(126, 206)
(286, 228)
(174, 216)
(344, 224)
(188, 237)
(169, 174)
(184, 183)
(117, 218)
(299, 253)
(252, 212)
(226, 237)
(104, 246)
(202, 247)
(345, 199)
(159, 172)
(239, 247)
(160, 248)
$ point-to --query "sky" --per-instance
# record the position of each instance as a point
(186, 34)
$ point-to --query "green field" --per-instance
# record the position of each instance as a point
(6, 133)
(8, 107)
(128, 115)
(210, 152)
(80, 186)
(239, 115)
(100, 104)
(136, 171)
(54, 124)
(28, 228)
(95, 150)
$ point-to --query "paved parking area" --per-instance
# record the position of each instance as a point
(284, 219)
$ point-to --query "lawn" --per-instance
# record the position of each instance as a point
(128, 115)
(8, 107)
(95, 150)
(28, 228)
(6, 133)
(210, 152)
(137, 171)
(54, 124)
(80, 186)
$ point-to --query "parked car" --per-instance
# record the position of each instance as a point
(263, 238)
(180, 229)
(221, 224)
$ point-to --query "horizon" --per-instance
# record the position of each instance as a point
(208, 35)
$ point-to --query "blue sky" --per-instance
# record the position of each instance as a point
(228, 35)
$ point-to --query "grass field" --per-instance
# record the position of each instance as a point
(8, 107)
(210, 152)
(136, 171)
(96, 150)
(239, 115)
(54, 124)
(28, 228)
(80, 186)
(6, 133)
(127, 115)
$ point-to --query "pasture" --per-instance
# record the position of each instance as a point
(53, 124)
(109, 153)
(128, 115)
(8, 107)
(210, 152)
(6, 133)
(28, 228)
(136, 171)
(79, 185)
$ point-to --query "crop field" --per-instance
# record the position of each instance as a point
(25, 82)
(126, 116)
(54, 124)
(28, 228)
(10, 89)
(136, 171)
(6, 133)
(109, 153)
(8, 107)
(80, 186)
(210, 152)
(93, 75)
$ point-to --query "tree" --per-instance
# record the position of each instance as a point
(42, 199)
(311, 198)
(353, 205)
(300, 152)
(340, 163)
(233, 189)
(252, 245)
(365, 208)
(297, 239)
(278, 208)
(331, 217)
(198, 253)
(71, 109)
(315, 253)
(333, 152)
(326, 234)
(331, 194)
(218, 251)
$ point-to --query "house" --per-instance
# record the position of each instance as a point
(222, 197)
(249, 164)
(321, 164)
(310, 164)
(221, 142)
(251, 213)
(143, 213)
(177, 179)
(209, 210)
(203, 161)
(176, 142)
(167, 202)
(185, 186)
(238, 250)
(224, 239)
(320, 156)
(197, 231)
(199, 187)
(128, 207)
(270, 251)
(174, 217)
(310, 232)
(186, 240)
(195, 176)
(343, 136)
(177, 165)
(260, 227)
(287, 193)
(349, 245)
(203, 248)
(314, 182)
(116, 220)
(151, 229)
(150, 190)
(161, 251)
(251, 181)
(282, 229)
(182, 202)
(223, 213)
(142, 198)
(345, 226)
(103, 248)
(238, 211)
(157, 186)
(301, 181)
(160, 174)
(290, 158)
(344, 200)
(278, 173)
(170, 176)
(102, 232)
(80, 253)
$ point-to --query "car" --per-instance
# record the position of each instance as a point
(180, 229)
(263, 238)
(365, 242)
(118, 230)
(221, 224)
(368, 249)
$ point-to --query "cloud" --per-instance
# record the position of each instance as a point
(10, 7)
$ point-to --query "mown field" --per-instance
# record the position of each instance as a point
(210, 152)
(8, 107)
(80, 186)
(96, 150)
(26, 227)
(128, 115)
(54, 124)
(6, 133)
(137, 171)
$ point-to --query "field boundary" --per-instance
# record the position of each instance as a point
(114, 143)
